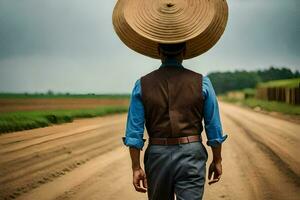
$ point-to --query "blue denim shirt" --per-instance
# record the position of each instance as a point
(136, 117)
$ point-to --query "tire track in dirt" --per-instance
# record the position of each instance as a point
(89, 137)
(49, 173)
(262, 170)
(77, 176)
(118, 184)
(53, 137)
(29, 170)
(24, 173)
(278, 138)
(280, 163)
(242, 177)
(81, 124)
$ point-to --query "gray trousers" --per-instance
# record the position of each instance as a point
(175, 169)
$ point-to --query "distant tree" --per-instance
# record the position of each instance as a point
(237, 80)
(297, 74)
(227, 81)
(50, 92)
(275, 74)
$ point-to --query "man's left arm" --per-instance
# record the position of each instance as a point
(134, 137)
(137, 171)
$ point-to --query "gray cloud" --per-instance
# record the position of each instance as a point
(70, 45)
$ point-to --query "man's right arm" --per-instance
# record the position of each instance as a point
(215, 168)
(213, 129)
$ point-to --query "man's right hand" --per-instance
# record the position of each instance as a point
(215, 169)
(138, 177)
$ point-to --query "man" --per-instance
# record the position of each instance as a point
(172, 101)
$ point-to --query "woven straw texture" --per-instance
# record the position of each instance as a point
(143, 24)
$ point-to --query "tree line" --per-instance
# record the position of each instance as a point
(237, 80)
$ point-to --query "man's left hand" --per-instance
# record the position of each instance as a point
(138, 177)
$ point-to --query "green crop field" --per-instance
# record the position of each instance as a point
(63, 95)
(287, 83)
(23, 120)
(22, 111)
(271, 106)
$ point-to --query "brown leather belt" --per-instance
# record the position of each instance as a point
(178, 140)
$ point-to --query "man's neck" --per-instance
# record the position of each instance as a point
(171, 61)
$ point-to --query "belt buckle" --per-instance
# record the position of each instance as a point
(183, 140)
(188, 140)
(166, 141)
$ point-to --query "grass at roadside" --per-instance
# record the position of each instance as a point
(287, 83)
(23, 120)
(67, 95)
(271, 106)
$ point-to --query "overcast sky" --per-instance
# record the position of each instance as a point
(70, 45)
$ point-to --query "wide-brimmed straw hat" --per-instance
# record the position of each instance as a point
(143, 24)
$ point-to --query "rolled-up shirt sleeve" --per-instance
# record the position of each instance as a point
(135, 120)
(212, 121)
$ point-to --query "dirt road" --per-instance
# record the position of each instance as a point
(86, 160)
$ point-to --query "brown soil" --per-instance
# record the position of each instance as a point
(9, 105)
(87, 160)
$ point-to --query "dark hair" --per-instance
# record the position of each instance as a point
(171, 49)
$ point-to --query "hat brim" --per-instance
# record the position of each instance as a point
(143, 24)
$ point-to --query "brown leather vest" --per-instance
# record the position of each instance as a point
(173, 102)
